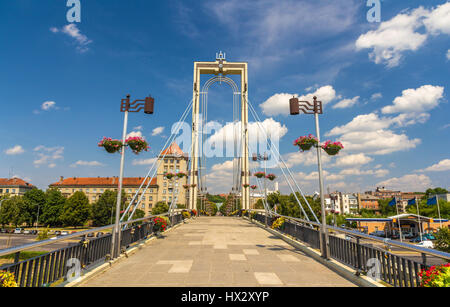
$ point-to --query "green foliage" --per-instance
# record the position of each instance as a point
(104, 209)
(33, 199)
(386, 210)
(431, 192)
(76, 211)
(160, 208)
(13, 211)
(259, 204)
(43, 235)
(215, 198)
(52, 209)
(436, 277)
(442, 242)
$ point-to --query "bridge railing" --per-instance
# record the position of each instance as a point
(393, 269)
(54, 266)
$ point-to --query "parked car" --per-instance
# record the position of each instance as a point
(34, 232)
(4, 231)
(408, 235)
(18, 230)
(429, 236)
(418, 239)
(58, 233)
(99, 234)
(91, 235)
(64, 233)
(426, 243)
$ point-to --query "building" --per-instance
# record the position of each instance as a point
(382, 193)
(14, 187)
(410, 224)
(369, 202)
(445, 197)
(341, 203)
(160, 189)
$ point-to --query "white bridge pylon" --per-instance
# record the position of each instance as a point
(220, 68)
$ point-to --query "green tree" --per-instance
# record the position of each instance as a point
(160, 208)
(12, 211)
(52, 209)
(443, 240)
(34, 201)
(431, 192)
(386, 209)
(76, 210)
(104, 209)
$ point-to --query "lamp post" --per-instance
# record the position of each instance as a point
(258, 157)
(126, 106)
(315, 108)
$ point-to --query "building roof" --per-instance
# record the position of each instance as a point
(101, 181)
(368, 197)
(4, 182)
(172, 150)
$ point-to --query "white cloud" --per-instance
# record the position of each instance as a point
(352, 160)
(48, 105)
(442, 166)
(72, 31)
(358, 172)
(86, 163)
(407, 183)
(346, 103)
(448, 54)
(278, 104)
(48, 155)
(376, 96)
(150, 161)
(304, 158)
(438, 21)
(16, 150)
(400, 34)
(139, 128)
(417, 100)
(134, 134)
(157, 131)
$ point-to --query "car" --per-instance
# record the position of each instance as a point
(18, 230)
(26, 232)
(91, 235)
(408, 235)
(4, 231)
(99, 234)
(58, 233)
(378, 233)
(429, 236)
(426, 243)
(418, 239)
(64, 233)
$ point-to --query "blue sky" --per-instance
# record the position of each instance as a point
(385, 84)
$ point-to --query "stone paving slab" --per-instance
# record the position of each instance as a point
(218, 251)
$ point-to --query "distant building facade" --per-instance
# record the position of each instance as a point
(369, 202)
(14, 187)
(160, 188)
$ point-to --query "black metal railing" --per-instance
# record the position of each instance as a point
(49, 268)
(395, 270)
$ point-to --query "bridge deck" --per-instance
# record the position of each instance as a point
(218, 251)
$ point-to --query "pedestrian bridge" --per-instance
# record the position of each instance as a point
(217, 251)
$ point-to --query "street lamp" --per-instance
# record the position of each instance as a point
(126, 106)
(315, 108)
(258, 157)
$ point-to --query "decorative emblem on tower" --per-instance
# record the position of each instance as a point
(221, 56)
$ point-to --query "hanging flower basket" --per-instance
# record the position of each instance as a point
(306, 142)
(271, 177)
(253, 187)
(169, 175)
(137, 144)
(332, 149)
(181, 175)
(260, 174)
(110, 145)
(245, 185)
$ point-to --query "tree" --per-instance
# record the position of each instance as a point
(76, 210)
(443, 240)
(34, 201)
(386, 209)
(160, 208)
(53, 208)
(430, 192)
(12, 211)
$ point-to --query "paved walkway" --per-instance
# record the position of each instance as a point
(218, 251)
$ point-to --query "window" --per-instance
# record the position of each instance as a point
(7, 191)
(171, 160)
(166, 160)
(150, 198)
(13, 191)
(143, 206)
(1, 190)
(164, 198)
(164, 191)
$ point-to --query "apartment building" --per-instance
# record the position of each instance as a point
(341, 203)
(160, 188)
(14, 186)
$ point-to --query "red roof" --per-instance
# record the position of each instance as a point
(172, 150)
(102, 181)
(14, 182)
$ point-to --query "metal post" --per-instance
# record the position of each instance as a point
(324, 235)
(399, 226)
(418, 217)
(115, 246)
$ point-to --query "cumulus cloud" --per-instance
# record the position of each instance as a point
(134, 134)
(278, 104)
(442, 166)
(346, 103)
(304, 158)
(352, 160)
(71, 30)
(376, 96)
(48, 155)
(408, 183)
(417, 100)
(358, 172)
(157, 131)
(401, 34)
(48, 105)
(86, 163)
(16, 150)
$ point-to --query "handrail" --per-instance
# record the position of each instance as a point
(418, 249)
(16, 249)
